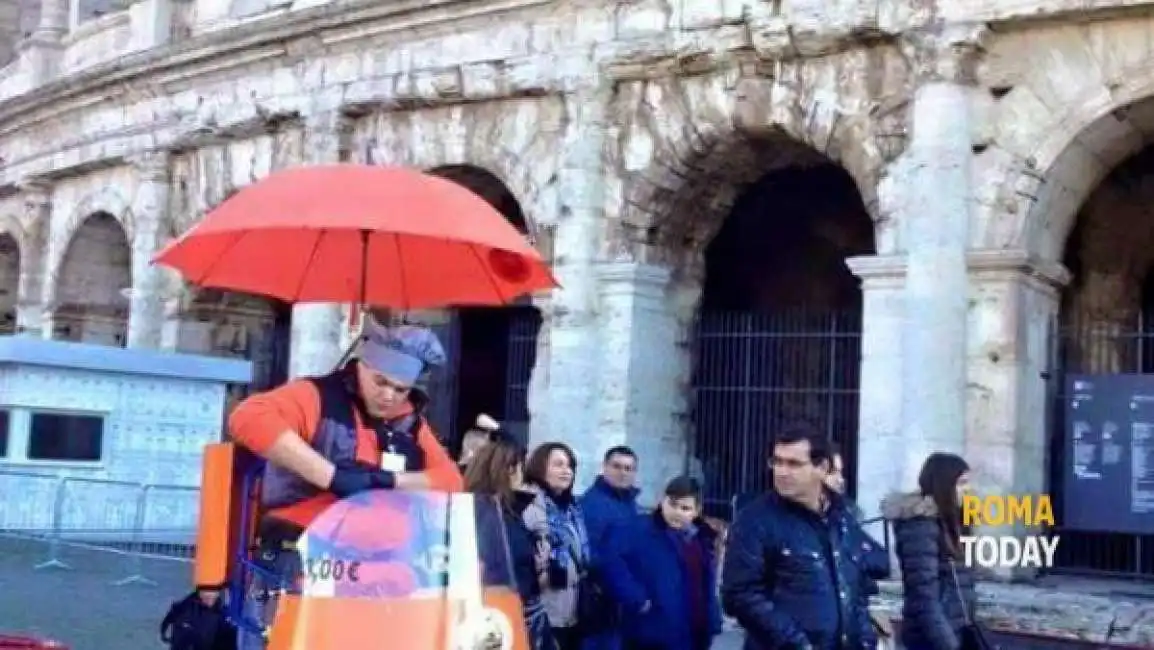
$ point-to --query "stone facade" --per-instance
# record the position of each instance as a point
(974, 132)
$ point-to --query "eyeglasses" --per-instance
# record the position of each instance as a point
(624, 467)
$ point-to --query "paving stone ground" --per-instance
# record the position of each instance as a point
(83, 608)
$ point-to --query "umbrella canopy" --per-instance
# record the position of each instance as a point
(382, 236)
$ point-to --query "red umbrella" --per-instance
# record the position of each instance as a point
(383, 236)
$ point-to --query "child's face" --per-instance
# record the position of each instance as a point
(679, 513)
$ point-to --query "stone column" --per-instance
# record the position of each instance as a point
(1014, 303)
(150, 222)
(37, 220)
(562, 394)
(316, 328)
(936, 215)
(44, 48)
(639, 370)
(880, 396)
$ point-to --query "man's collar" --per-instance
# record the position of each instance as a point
(831, 502)
(625, 494)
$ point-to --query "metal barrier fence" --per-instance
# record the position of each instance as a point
(133, 520)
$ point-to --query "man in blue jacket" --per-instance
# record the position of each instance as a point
(793, 574)
(610, 501)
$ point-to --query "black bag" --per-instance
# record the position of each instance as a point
(192, 625)
(973, 635)
(595, 612)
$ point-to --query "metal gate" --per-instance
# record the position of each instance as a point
(754, 373)
(442, 386)
(444, 389)
(524, 327)
(1082, 345)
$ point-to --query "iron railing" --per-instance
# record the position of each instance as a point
(521, 326)
(524, 326)
(755, 373)
(131, 519)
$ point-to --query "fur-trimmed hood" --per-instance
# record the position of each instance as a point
(908, 505)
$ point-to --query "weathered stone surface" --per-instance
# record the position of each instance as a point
(1065, 608)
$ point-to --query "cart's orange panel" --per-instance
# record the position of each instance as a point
(304, 623)
(219, 515)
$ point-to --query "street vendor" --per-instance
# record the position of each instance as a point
(359, 428)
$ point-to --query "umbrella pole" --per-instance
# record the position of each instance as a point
(358, 312)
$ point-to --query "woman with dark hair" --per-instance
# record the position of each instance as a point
(555, 516)
(938, 589)
(497, 470)
(663, 571)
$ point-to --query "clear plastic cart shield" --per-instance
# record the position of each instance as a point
(392, 570)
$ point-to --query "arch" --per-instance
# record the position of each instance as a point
(777, 327)
(222, 323)
(1063, 159)
(1079, 166)
(697, 158)
(1105, 325)
(1066, 194)
(106, 200)
(493, 351)
(491, 188)
(680, 221)
(10, 225)
(89, 303)
(491, 136)
(688, 169)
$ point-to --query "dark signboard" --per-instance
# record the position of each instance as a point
(1109, 459)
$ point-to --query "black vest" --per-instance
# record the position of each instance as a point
(335, 438)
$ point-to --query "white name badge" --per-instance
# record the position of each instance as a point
(391, 462)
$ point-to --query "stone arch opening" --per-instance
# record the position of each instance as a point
(492, 350)
(92, 287)
(758, 242)
(222, 323)
(9, 282)
(1106, 327)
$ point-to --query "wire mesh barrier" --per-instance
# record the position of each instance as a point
(129, 520)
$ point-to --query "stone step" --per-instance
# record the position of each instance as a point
(1096, 611)
(1072, 609)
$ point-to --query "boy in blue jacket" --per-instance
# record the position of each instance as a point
(661, 568)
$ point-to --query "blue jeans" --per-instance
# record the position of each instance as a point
(605, 640)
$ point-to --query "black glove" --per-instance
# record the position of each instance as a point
(349, 480)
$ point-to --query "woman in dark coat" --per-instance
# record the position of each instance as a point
(497, 470)
(662, 569)
(938, 588)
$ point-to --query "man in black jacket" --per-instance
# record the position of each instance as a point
(793, 563)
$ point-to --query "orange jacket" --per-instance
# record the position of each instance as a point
(258, 421)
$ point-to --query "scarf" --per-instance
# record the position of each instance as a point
(567, 535)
